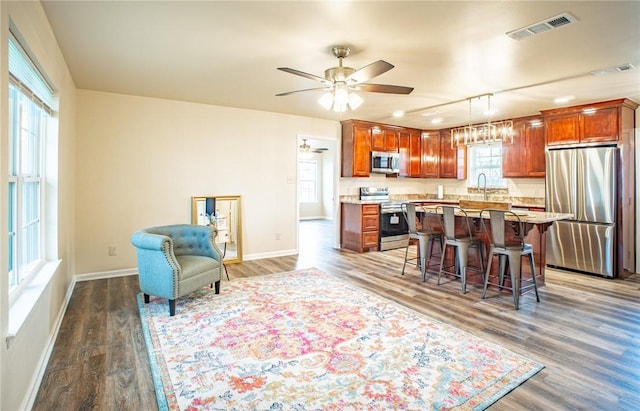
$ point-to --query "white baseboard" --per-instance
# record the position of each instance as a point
(259, 256)
(105, 274)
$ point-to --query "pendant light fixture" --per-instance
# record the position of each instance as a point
(483, 133)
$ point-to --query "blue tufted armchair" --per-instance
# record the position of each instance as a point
(176, 260)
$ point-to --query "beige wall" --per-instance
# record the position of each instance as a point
(20, 363)
(140, 160)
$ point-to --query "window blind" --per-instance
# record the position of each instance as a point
(25, 75)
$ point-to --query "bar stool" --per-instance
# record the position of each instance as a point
(506, 233)
(461, 243)
(426, 238)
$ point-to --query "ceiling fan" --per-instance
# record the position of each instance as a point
(341, 81)
(304, 147)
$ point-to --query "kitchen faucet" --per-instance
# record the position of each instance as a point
(485, 184)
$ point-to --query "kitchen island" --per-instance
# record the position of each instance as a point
(360, 222)
(535, 225)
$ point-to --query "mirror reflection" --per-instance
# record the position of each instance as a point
(223, 212)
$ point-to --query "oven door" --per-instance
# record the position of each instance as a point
(394, 231)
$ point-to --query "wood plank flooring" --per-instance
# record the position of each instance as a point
(585, 330)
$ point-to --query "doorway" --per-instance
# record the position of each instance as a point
(317, 188)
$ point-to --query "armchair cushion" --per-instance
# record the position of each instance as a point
(176, 260)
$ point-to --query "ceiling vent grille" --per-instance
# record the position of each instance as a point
(615, 69)
(542, 26)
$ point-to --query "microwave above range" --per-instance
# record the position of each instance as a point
(385, 162)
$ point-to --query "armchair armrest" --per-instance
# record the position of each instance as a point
(148, 241)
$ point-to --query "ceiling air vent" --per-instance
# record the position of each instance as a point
(615, 69)
(625, 67)
(542, 26)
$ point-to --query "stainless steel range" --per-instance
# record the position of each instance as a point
(394, 231)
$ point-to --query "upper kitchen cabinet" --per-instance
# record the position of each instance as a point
(585, 124)
(525, 157)
(410, 153)
(430, 153)
(384, 139)
(453, 160)
(356, 148)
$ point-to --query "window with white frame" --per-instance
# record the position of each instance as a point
(487, 159)
(30, 101)
(308, 181)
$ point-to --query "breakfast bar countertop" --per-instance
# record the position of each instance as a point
(531, 217)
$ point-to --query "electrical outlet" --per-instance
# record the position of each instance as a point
(277, 236)
(113, 250)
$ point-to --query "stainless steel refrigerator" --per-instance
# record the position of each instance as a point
(582, 182)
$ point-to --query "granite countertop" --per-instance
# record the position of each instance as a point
(532, 217)
(516, 202)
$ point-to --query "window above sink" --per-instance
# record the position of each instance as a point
(485, 159)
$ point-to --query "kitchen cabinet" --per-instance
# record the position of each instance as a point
(430, 142)
(410, 154)
(525, 156)
(356, 148)
(384, 139)
(360, 227)
(453, 160)
(599, 125)
(585, 124)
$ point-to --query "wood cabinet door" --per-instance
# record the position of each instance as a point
(384, 139)
(377, 139)
(410, 156)
(405, 157)
(453, 160)
(599, 126)
(535, 159)
(513, 164)
(361, 151)
(430, 154)
(415, 154)
(562, 129)
(391, 140)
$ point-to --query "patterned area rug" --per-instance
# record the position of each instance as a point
(305, 340)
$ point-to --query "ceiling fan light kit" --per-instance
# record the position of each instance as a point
(306, 148)
(496, 132)
(339, 99)
(341, 82)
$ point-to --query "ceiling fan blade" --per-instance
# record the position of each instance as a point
(300, 91)
(303, 74)
(383, 88)
(370, 71)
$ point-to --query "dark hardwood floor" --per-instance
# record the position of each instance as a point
(585, 330)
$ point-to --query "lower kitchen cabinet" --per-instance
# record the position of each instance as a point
(360, 227)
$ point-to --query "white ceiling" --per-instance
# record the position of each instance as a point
(227, 53)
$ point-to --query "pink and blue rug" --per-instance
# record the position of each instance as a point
(306, 340)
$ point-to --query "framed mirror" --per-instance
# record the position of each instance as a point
(224, 213)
